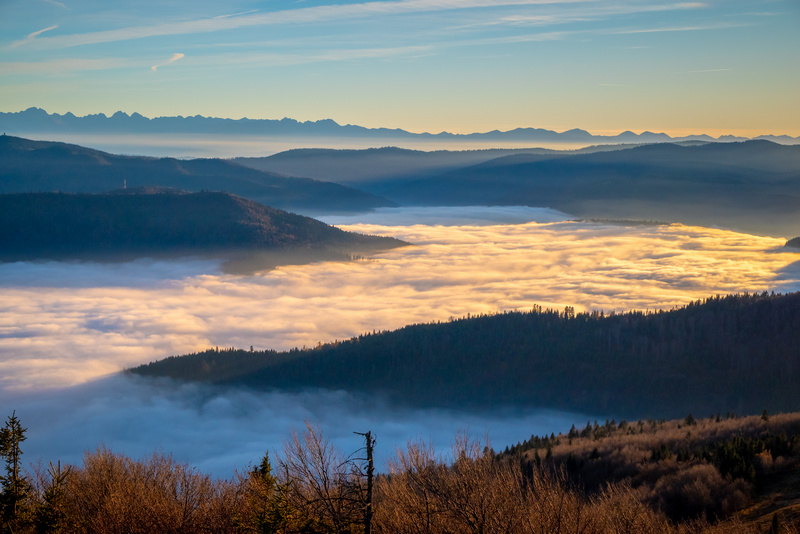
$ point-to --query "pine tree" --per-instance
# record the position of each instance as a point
(268, 509)
(51, 514)
(15, 487)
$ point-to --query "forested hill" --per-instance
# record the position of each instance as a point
(42, 166)
(738, 353)
(61, 225)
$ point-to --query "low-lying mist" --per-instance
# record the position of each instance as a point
(218, 430)
(229, 146)
(66, 328)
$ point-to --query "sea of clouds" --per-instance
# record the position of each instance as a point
(67, 329)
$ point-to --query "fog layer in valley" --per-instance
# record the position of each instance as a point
(64, 323)
(219, 430)
(214, 146)
(64, 326)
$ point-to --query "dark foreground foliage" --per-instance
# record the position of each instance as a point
(630, 482)
(737, 352)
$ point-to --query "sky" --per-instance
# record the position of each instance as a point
(716, 66)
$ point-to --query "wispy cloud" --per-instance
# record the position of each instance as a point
(175, 57)
(707, 70)
(720, 26)
(757, 14)
(236, 14)
(524, 20)
(527, 38)
(291, 16)
(286, 59)
(56, 3)
(32, 36)
(587, 14)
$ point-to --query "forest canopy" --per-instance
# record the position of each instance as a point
(737, 352)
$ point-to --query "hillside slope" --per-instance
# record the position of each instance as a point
(131, 223)
(42, 166)
(714, 467)
(727, 353)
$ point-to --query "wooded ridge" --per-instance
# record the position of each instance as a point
(142, 221)
(737, 352)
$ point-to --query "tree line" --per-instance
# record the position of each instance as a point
(313, 488)
(735, 352)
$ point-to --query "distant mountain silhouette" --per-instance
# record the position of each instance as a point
(374, 164)
(34, 166)
(362, 168)
(160, 221)
(38, 120)
(752, 185)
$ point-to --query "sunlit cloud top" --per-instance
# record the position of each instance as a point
(62, 324)
(421, 65)
(66, 324)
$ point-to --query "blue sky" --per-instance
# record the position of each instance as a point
(718, 66)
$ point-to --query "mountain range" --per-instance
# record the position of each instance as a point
(749, 186)
(752, 186)
(38, 120)
(360, 168)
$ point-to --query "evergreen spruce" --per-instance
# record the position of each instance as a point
(15, 487)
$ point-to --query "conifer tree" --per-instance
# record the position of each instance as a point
(15, 487)
(267, 508)
(51, 515)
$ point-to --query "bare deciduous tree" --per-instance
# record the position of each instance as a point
(326, 488)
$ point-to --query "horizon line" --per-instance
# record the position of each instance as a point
(600, 133)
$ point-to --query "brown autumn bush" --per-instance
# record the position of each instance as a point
(114, 494)
(477, 494)
(618, 509)
(699, 491)
(474, 493)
